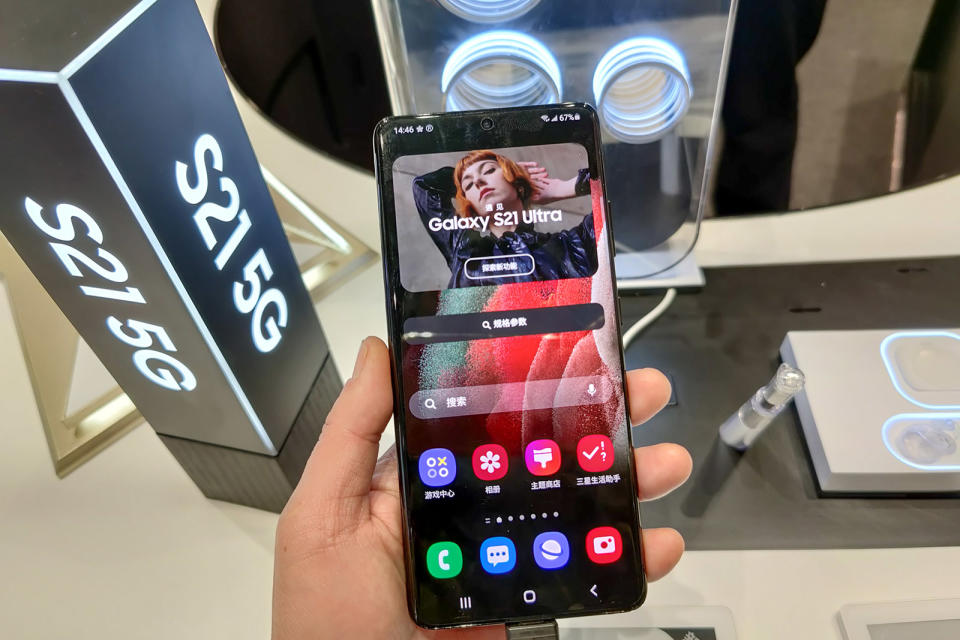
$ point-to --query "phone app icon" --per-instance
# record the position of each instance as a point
(542, 457)
(444, 560)
(498, 555)
(595, 453)
(437, 467)
(604, 545)
(551, 550)
(490, 462)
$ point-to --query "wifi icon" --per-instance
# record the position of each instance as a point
(545, 117)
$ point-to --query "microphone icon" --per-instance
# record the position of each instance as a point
(592, 390)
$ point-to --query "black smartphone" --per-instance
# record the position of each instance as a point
(516, 466)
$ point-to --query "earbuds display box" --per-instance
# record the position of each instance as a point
(881, 409)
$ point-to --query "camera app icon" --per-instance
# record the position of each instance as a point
(604, 545)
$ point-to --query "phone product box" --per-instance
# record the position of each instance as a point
(132, 193)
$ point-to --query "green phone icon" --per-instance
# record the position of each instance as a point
(444, 560)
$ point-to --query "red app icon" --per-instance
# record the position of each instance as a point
(604, 545)
(542, 457)
(490, 462)
(595, 453)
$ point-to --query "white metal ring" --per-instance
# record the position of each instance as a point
(642, 88)
(500, 69)
(487, 11)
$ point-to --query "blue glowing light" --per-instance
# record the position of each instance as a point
(892, 370)
(489, 10)
(949, 419)
(642, 89)
(500, 69)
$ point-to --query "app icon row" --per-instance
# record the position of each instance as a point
(438, 466)
(498, 555)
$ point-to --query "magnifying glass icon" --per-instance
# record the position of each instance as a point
(485, 324)
(429, 403)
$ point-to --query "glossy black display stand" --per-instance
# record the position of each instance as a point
(132, 193)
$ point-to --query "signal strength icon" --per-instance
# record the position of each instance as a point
(545, 117)
(553, 119)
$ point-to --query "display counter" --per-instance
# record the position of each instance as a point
(127, 544)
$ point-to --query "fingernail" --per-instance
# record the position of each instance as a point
(361, 357)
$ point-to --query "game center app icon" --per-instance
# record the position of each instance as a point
(595, 453)
(604, 545)
(437, 467)
(542, 457)
(490, 462)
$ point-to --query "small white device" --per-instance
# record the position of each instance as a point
(881, 408)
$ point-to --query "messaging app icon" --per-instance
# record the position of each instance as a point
(498, 555)
(542, 457)
(551, 550)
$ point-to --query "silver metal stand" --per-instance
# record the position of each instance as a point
(533, 631)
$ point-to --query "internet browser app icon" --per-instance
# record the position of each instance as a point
(551, 550)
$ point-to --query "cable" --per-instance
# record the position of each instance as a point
(650, 318)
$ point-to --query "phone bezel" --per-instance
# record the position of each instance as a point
(461, 131)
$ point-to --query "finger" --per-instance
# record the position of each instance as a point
(662, 549)
(498, 632)
(661, 468)
(342, 463)
(385, 474)
(532, 167)
(648, 391)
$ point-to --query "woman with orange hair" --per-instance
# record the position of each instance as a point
(484, 183)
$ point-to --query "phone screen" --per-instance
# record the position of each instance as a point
(516, 466)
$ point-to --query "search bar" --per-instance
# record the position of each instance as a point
(510, 396)
(503, 324)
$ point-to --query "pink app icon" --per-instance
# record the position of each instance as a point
(595, 453)
(604, 545)
(490, 462)
(542, 457)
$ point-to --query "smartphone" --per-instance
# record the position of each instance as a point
(516, 466)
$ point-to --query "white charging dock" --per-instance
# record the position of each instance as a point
(881, 408)
(686, 273)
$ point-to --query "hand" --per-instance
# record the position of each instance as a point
(338, 570)
(545, 188)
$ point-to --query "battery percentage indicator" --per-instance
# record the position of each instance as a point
(560, 117)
